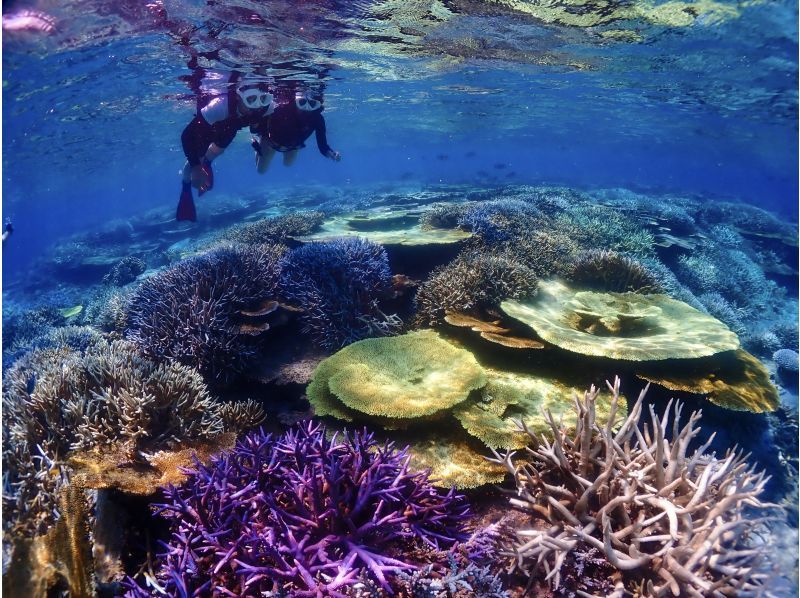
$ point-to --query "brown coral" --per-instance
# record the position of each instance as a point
(669, 521)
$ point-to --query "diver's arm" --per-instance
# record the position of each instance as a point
(322, 140)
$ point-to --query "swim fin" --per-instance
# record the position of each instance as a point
(186, 210)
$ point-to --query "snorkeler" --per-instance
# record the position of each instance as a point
(287, 128)
(213, 128)
(7, 230)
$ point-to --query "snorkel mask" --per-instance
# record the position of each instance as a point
(306, 102)
(254, 97)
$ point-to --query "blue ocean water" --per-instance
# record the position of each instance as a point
(93, 110)
(656, 138)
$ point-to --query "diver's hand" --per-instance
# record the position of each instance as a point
(334, 155)
(201, 179)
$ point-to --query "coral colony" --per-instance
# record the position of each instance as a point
(302, 514)
(667, 519)
(143, 392)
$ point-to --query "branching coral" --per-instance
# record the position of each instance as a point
(275, 230)
(498, 220)
(125, 271)
(473, 281)
(605, 270)
(443, 215)
(302, 514)
(667, 519)
(58, 401)
(338, 285)
(190, 311)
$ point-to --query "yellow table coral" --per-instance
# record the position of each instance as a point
(626, 326)
(410, 376)
(509, 398)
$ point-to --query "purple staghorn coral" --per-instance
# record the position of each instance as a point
(302, 514)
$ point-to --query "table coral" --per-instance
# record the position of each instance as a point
(624, 326)
(409, 376)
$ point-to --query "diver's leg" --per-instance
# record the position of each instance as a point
(264, 158)
(187, 172)
(213, 152)
(290, 157)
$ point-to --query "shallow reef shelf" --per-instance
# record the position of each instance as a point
(386, 228)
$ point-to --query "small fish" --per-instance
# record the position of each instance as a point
(470, 154)
(500, 165)
(511, 174)
(31, 384)
(442, 157)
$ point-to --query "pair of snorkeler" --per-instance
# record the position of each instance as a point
(278, 126)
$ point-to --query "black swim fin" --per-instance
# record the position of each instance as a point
(186, 210)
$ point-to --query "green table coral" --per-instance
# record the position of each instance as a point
(410, 376)
(626, 326)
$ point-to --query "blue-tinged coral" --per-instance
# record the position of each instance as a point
(786, 360)
(301, 514)
(276, 229)
(125, 271)
(191, 311)
(498, 220)
(338, 284)
(605, 270)
(729, 272)
(21, 328)
(474, 281)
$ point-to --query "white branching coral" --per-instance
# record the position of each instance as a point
(670, 521)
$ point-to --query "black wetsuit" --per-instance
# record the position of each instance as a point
(199, 133)
(288, 127)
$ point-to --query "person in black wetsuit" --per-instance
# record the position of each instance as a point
(212, 129)
(286, 129)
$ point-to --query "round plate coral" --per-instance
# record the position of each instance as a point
(626, 326)
(407, 376)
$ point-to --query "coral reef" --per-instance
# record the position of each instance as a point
(300, 514)
(338, 285)
(624, 326)
(474, 281)
(275, 230)
(500, 220)
(666, 519)
(786, 359)
(604, 270)
(58, 562)
(191, 311)
(403, 377)
(22, 327)
(443, 215)
(508, 397)
(731, 379)
(58, 401)
(125, 271)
